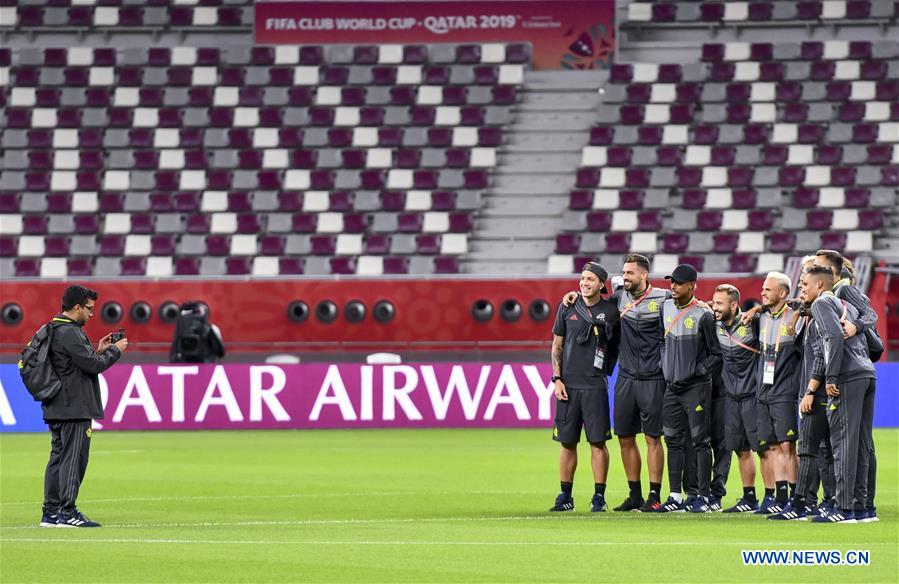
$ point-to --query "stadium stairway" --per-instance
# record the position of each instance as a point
(515, 228)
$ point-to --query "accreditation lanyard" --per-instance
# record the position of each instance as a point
(782, 316)
(768, 371)
(679, 316)
(634, 305)
(738, 342)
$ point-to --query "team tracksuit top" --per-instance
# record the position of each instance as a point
(841, 360)
(690, 352)
(641, 334)
(740, 371)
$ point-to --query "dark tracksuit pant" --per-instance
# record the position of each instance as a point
(70, 444)
(850, 416)
(687, 413)
(813, 435)
(720, 454)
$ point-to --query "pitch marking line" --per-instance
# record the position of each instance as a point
(386, 520)
(399, 543)
(290, 496)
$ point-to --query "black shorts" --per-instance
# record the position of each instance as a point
(778, 422)
(741, 426)
(638, 406)
(587, 408)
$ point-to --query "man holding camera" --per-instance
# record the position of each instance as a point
(69, 413)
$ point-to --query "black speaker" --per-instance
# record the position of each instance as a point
(297, 311)
(354, 311)
(112, 312)
(141, 312)
(384, 311)
(482, 310)
(510, 310)
(168, 311)
(12, 314)
(539, 310)
(326, 311)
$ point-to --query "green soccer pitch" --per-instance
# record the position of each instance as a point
(389, 506)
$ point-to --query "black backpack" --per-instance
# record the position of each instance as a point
(36, 368)
(875, 344)
(191, 343)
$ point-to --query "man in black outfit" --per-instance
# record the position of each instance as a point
(69, 412)
(584, 352)
(690, 355)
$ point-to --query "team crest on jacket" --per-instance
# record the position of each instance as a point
(653, 306)
(689, 322)
(741, 331)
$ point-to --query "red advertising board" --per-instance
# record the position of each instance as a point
(571, 34)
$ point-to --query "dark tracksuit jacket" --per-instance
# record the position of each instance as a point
(779, 345)
(850, 415)
(867, 317)
(740, 369)
(690, 354)
(641, 336)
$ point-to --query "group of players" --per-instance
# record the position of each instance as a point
(714, 380)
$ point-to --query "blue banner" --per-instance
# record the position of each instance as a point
(20, 413)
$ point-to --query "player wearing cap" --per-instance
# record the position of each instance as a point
(690, 354)
(584, 352)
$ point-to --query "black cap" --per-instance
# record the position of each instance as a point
(601, 272)
(683, 273)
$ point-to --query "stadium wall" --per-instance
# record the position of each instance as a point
(321, 395)
(433, 314)
(430, 314)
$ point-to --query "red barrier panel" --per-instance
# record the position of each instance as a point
(575, 34)
(433, 314)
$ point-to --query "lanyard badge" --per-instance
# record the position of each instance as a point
(770, 361)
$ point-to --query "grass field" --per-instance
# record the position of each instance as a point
(387, 506)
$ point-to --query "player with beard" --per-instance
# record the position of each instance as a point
(739, 351)
(640, 386)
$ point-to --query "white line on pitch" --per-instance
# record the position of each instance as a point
(288, 496)
(406, 543)
(388, 520)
